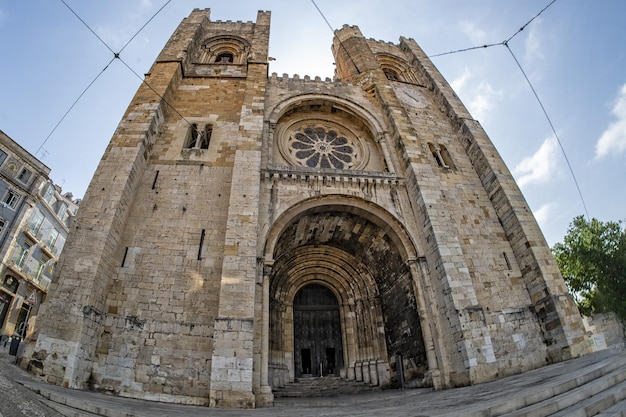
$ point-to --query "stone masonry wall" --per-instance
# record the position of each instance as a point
(163, 296)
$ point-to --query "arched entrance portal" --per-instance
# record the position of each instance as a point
(340, 289)
(317, 332)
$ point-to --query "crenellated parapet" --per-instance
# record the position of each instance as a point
(314, 81)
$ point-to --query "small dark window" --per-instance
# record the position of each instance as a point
(24, 175)
(447, 159)
(441, 155)
(225, 58)
(197, 138)
(506, 259)
(392, 75)
(192, 135)
(10, 199)
(203, 141)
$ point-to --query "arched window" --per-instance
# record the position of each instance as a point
(441, 155)
(224, 50)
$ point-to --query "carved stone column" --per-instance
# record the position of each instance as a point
(419, 272)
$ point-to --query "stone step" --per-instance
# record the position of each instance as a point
(594, 391)
(595, 404)
(537, 388)
(67, 411)
(322, 387)
(546, 391)
(618, 410)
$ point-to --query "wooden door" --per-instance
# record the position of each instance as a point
(317, 332)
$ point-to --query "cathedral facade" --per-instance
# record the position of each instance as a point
(244, 230)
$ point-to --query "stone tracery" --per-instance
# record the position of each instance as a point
(321, 148)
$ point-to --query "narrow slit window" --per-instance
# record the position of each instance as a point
(205, 138)
(445, 155)
(436, 154)
(201, 244)
(124, 257)
(192, 136)
(506, 259)
(156, 177)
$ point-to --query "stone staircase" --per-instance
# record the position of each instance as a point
(328, 386)
(595, 390)
(593, 385)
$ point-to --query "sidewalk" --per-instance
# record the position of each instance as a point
(391, 403)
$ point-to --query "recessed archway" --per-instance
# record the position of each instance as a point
(355, 257)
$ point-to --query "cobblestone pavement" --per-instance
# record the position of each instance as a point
(15, 399)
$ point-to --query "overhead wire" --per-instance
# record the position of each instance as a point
(556, 136)
(116, 55)
(145, 24)
(88, 27)
(530, 21)
(338, 40)
(505, 43)
(157, 93)
(471, 48)
(73, 105)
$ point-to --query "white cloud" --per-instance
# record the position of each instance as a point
(476, 35)
(114, 37)
(459, 83)
(613, 139)
(539, 167)
(484, 98)
(146, 3)
(480, 97)
(542, 214)
(533, 43)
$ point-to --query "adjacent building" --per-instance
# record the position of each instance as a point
(34, 221)
(244, 230)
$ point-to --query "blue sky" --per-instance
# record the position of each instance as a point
(574, 54)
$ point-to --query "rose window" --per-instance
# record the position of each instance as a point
(316, 147)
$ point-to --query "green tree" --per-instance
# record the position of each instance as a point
(592, 259)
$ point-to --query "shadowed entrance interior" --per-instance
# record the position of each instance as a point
(341, 296)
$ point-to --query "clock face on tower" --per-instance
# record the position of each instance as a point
(410, 95)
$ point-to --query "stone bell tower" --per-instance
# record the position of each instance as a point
(155, 298)
(244, 230)
(483, 255)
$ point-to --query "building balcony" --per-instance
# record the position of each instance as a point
(30, 273)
